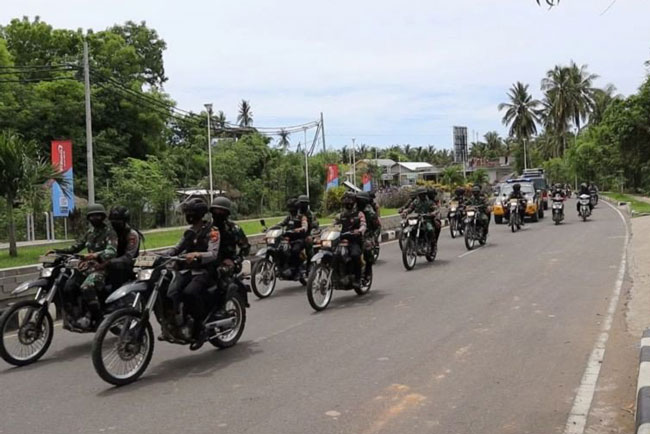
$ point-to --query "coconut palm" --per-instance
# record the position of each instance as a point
(283, 142)
(583, 93)
(521, 112)
(602, 98)
(493, 143)
(452, 176)
(22, 171)
(245, 117)
(220, 119)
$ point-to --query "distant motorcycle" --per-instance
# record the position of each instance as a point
(584, 209)
(558, 209)
(456, 218)
(416, 242)
(515, 217)
(330, 269)
(474, 232)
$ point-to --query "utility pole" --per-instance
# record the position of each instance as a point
(208, 108)
(306, 163)
(89, 130)
(525, 157)
(322, 131)
(354, 164)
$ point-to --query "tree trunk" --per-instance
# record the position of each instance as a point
(13, 251)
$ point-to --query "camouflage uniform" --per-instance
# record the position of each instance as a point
(351, 220)
(120, 268)
(234, 244)
(481, 203)
(372, 233)
(101, 240)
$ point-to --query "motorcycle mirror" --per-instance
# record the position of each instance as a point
(262, 222)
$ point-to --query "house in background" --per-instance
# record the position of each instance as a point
(408, 173)
(497, 170)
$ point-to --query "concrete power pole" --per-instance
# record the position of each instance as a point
(322, 131)
(89, 130)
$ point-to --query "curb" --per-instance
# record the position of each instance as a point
(643, 387)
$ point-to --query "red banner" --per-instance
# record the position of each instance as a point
(332, 175)
(62, 154)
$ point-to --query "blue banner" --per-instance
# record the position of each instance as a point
(62, 204)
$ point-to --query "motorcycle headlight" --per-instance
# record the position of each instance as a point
(453, 209)
(326, 243)
(145, 274)
(413, 222)
(530, 201)
(47, 272)
(470, 213)
(270, 241)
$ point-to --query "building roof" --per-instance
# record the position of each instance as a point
(383, 162)
(416, 166)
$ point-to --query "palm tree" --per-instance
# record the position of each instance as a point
(245, 117)
(22, 170)
(452, 176)
(284, 139)
(521, 112)
(583, 93)
(602, 98)
(220, 119)
(494, 144)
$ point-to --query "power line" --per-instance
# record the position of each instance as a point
(37, 80)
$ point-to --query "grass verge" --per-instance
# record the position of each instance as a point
(638, 206)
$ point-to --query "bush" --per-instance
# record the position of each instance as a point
(332, 199)
(394, 197)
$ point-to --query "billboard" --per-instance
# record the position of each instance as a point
(460, 144)
(332, 176)
(62, 204)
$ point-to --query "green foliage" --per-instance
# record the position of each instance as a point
(452, 176)
(558, 170)
(480, 177)
(332, 199)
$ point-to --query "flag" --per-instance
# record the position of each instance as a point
(62, 204)
(366, 180)
(332, 176)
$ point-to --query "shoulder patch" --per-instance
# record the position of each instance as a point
(214, 235)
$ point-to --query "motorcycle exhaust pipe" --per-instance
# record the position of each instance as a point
(222, 323)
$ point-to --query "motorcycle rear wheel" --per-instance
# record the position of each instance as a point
(366, 283)
(234, 306)
(123, 348)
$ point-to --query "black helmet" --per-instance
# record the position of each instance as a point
(303, 199)
(558, 186)
(119, 213)
(292, 203)
(363, 196)
(96, 208)
(460, 191)
(349, 197)
(516, 187)
(195, 206)
(372, 195)
(583, 185)
(420, 191)
(476, 190)
(223, 203)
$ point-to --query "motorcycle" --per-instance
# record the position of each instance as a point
(376, 247)
(274, 262)
(416, 242)
(474, 232)
(558, 209)
(456, 217)
(331, 269)
(515, 217)
(585, 210)
(124, 342)
(27, 326)
(402, 235)
(593, 197)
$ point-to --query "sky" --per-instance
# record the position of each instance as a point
(382, 72)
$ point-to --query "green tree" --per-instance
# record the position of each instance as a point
(521, 112)
(452, 176)
(480, 177)
(22, 171)
(283, 141)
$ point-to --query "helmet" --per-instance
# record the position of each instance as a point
(421, 191)
(432, 193)
(363, 196)
(460, 191)
(372, 195)
(292, 203)
(476, 189)
(303, 199)
(349, 197)
(583, 185)
(558, 186)
(516, 187)
(96, 208)
(223, 203)
(119, 213)
(195, 206)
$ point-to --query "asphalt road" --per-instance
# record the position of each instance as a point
(494, 341)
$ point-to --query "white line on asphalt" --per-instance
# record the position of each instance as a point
(470, 252)
(645, 342)
(644, 376)
(582, 402)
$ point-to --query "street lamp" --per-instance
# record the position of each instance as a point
(208, 107)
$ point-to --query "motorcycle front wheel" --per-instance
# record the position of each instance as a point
(366, 283)
(470, 240)
(122, 359)
(409, 254)
(319, 287)
(453, 224)
(24, 337)
(263, 278)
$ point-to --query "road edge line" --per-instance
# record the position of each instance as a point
(579, 413)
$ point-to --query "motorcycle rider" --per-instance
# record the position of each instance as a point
(459, 196)
(422, 205)
(373, 201)
(412, 196)
(303, 209)
(558, 191)
(120, 268)
(234, 243)
(300, 226)
(101, 243)
(518, 194)
(482, 206)
(373, 228)
(584, 189)
(353, 220)
(200, 244)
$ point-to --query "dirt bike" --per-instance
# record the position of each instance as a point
(474, 231)
(331, 268)
(124, 343)
(515, 217)
(417, 243)
(27, 327)
(456, 217)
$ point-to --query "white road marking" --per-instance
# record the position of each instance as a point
(470, 252)
(644, 429)
(645, 342)
(582, 402)
(644, 376)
